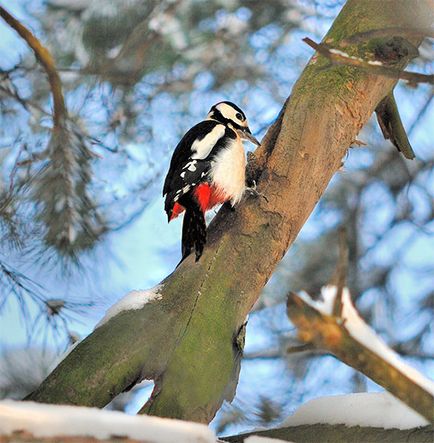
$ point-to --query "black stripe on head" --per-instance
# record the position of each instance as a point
(216, 114)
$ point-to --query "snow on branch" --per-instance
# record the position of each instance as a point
(132, 300)
(350, 339)
(368, 409)
(338, 57)
(362, 417)
(45, 421)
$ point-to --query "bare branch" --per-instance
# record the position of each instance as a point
(387, 32)
(340, 276)
(339, 57)
(46, 60)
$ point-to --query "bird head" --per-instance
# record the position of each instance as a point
(231, 115)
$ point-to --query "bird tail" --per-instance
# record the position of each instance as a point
(193, 230)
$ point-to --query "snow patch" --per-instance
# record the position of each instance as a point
(364, 334)
(338, 52)
(344, 54)
(42, 420)
(380, 410)
(323, 304)
(133, 300)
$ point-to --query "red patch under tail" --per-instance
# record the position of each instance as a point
(203, 193)
(177, 209)
(207, 196)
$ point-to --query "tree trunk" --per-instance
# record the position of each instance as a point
(187, 341)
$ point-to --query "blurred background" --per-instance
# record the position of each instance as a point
(136, 75)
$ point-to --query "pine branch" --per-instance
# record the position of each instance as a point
(60, 186)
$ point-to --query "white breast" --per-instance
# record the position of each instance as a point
(228, 173)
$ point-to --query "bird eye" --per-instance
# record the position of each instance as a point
(239, 116)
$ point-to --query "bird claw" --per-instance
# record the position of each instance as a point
(254, 193)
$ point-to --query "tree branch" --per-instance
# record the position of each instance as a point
(45, 58)
(341, 434)
(339, 57)
(299, 434)
(346, 337)
(388, 32)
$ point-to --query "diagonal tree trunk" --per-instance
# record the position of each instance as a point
(187, 341)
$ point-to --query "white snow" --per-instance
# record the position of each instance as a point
(344, 54)
(363, 409)
(325, 303)
(257, 439)
(338, 52)
(364, 334)
(133, 300)
(43, 420)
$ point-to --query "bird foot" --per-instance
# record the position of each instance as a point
(254, 192)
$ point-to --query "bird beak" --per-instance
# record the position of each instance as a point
(247, 135)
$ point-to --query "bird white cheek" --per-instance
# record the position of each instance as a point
(228, 172)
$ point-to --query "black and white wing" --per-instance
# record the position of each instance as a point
(192, 159)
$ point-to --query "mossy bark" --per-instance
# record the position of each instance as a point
(325, 433)
(186, 341)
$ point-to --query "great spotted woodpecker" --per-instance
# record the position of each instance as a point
(207, 168)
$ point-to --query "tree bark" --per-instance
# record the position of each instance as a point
(301, 434)
(342, 434)
(187, 341)
(330, 333)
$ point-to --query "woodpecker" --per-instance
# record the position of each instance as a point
(207, 168)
